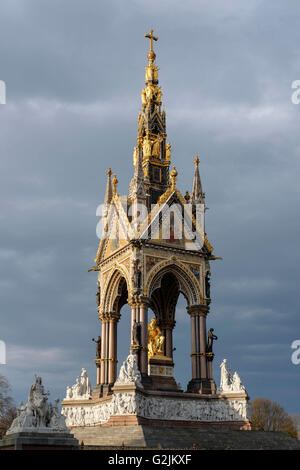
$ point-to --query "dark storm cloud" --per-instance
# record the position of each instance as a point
(74, 71)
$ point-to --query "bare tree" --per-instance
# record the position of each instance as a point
(7, 408)
(267, 415)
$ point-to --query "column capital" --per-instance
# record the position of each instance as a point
(139, 301)
(200, 310)
(144, 301)
(103, 316)
(169, 325)
(114, 317)
(109, 316)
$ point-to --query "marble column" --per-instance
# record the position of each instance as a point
(202, 336)
(193, 347)
(99, 373)
(210, 368)
(103, 350)
(112, 351)
(199, 382)
(133, 317)
(143, 318)
(169, 342)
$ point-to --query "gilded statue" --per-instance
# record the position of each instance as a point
(155, 339)
(159, 95)
(149, 92)
(140, 124)
(147, 147)
(135, 155)
(144, 99)
(156, 147)
(168, 151)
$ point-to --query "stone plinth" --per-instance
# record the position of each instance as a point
(39, 441)
(202, 386)
(160, 370)
(130, 405)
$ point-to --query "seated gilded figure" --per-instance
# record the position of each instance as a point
(155, 339)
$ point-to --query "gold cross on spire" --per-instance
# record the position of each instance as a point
(151, 37)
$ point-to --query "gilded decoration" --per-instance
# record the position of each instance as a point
(155, 339)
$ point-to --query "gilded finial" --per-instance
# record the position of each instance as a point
(109, 172)
(151, 54)
(115, 183)
(196, 161)
(173, 176)
(187, 197)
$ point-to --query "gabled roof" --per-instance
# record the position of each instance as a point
(117, 231)
(191, 226)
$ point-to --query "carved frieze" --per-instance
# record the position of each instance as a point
(163, 408)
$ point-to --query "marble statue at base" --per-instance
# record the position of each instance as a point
(161, 408)
(230, 383)
(129, 373)
(38, 415)
(81, 390)
(135, 402)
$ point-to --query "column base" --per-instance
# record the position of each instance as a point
(101, 390)
(146, 381)
(202, 386)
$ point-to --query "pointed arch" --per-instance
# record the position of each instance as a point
(116, 291)
(187, 283)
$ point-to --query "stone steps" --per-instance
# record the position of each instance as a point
(144, 436)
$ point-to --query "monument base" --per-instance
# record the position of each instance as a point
(39, 441)
(101, 391)
(160, 371)
(107, 421)
(202, 386)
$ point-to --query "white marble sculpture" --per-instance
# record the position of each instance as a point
(129, 373)
(151, 407)
(230, 383)
(135, 402)
(38, 415)
(81, 390)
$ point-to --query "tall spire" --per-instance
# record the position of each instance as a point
(198, 196)
(155, 153)
(137, 185)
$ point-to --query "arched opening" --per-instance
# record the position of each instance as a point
(181, 342)
(170, 292)
(172, 282)
(124, 335)
(163, 304)
(115, 297)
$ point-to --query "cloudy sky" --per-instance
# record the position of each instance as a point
(74, 70)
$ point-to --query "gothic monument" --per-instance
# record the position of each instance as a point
(153, 247)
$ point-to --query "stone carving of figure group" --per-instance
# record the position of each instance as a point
(230, 383)
(151, 147)
(129, 372)
(38, 415)
(81, 390)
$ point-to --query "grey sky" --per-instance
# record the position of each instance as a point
(74, 71)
